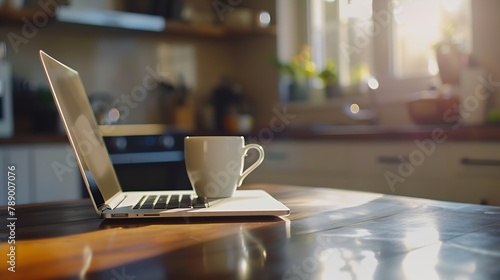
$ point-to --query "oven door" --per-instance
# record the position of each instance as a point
(142, 165)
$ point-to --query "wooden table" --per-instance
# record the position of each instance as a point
(331, 234)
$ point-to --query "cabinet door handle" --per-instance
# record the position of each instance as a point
(480, 162)
(390, 159)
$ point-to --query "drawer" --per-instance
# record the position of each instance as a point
(403, 159)
(477, 160)
(314, 156)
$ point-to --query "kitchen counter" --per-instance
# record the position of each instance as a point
(373, 132)
(323, 132)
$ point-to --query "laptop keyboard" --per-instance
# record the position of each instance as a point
(172, 201)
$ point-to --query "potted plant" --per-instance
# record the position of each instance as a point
(329, 77)
(448, 55)
(300, 70)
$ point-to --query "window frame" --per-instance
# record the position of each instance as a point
(391, 87)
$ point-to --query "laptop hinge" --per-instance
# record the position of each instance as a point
(103, 208)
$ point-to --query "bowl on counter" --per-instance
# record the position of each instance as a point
(433, 107)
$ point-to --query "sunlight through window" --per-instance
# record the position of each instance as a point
(415, 39)
(392, 39)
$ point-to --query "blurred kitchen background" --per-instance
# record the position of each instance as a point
(197, 54)
(336, 90)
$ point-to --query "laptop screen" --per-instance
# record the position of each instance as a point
(81, 127)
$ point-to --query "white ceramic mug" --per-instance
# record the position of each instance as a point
(215, 164)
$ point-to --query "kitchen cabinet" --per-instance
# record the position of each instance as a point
(55, 174)
(399, 167)
(474, 170)
(463, 171)
(36, 177)
(301, 164)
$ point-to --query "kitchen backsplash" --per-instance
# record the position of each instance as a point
(120, 64)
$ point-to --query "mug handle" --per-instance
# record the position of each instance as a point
(255, 164)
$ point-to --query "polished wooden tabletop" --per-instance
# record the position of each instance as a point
(330, 234)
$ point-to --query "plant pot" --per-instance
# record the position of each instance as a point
(298, 91)
(333, 91)
(449, 60)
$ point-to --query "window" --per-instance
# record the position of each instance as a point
(392, 40)
(419, 25)
(341, 31)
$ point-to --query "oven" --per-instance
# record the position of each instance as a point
(149, 161)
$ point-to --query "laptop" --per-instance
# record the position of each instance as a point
(95, 165)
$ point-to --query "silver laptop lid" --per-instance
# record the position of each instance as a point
(82, 129)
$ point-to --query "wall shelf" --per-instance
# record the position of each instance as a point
(15, 15)
(215, 31)
(11, 16)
